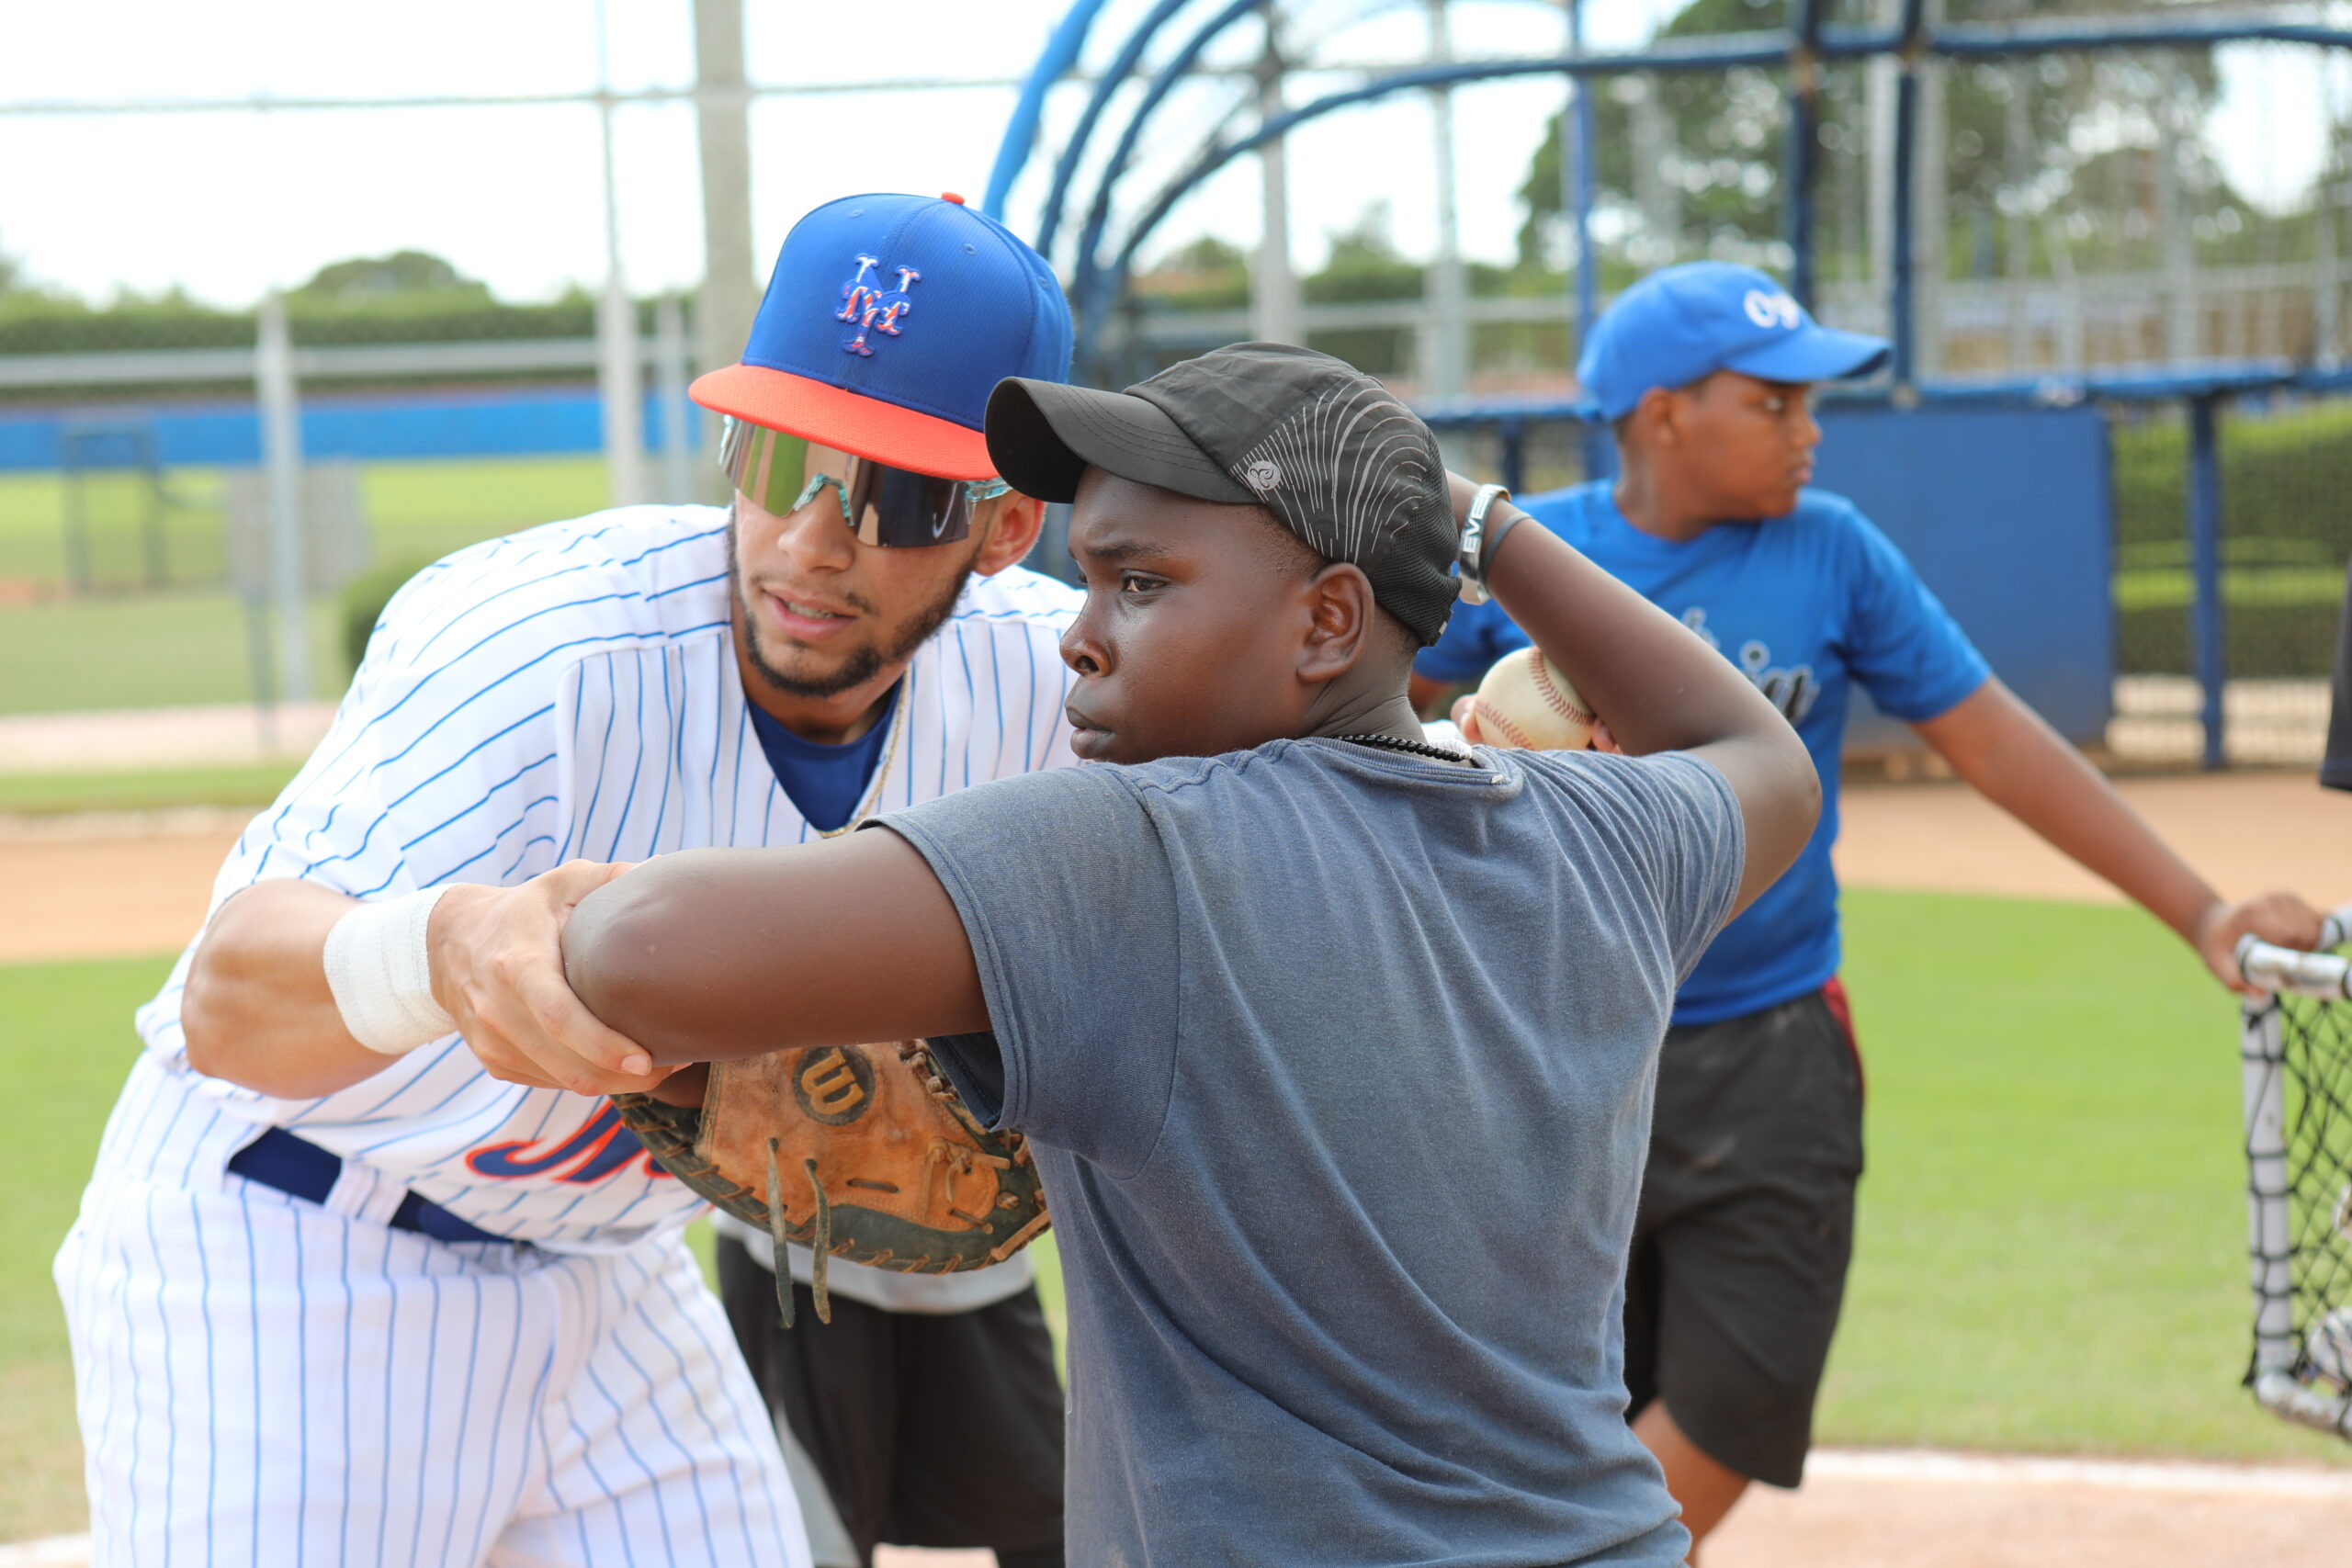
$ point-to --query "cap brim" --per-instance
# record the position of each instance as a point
(1043, 435)
(847, 422)
(1823, 354)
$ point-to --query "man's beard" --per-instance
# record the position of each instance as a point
(860, 666)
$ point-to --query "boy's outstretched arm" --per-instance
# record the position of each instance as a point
(2018, 763)
(711, 955)
(1660, 688)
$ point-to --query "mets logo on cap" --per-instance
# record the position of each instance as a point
(887, 322)
(874, 307)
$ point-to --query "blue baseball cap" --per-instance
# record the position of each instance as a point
(888, 322)
(1685, 322)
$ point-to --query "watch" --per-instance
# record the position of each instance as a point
(1476, 546)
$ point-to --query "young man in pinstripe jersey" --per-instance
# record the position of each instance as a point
(352, 1291)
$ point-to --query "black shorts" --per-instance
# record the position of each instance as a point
(930, 1429)
(1746, 1225)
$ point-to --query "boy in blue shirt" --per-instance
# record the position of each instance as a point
(1741, 1245)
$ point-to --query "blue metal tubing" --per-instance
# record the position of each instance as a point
(2205, 568)
(1088, 284)
(1587, 186)
(1060, 54)
(1114, 77)
(1718, 53)
(1803, 150)
(1902, 303)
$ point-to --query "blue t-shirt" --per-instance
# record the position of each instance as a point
(1336, 1066)
(824, 782)
(1806, 605)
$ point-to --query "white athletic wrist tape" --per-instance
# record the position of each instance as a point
(381, 976)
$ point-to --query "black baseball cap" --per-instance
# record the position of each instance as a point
(1323, 447)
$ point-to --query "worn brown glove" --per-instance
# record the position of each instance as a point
(861, 1152)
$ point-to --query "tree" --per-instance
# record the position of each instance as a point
(403, 274)
(1689, 163)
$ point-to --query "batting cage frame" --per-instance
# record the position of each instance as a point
(1105, 201)
(2296, 1054)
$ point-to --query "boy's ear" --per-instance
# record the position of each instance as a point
(1340, 606)
(1656, 420)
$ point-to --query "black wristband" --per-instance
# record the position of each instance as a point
(1498, 529)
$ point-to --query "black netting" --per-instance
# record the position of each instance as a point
(2315, 1067)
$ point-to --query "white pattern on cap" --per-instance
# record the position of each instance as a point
(1344, 510)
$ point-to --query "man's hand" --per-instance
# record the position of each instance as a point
(2281, 918)
(498, 968)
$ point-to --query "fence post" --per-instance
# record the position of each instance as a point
(671, 376)
(281, 459)
(1513, 434)
(2206, 622)
(1800, 155)
(1902, 307)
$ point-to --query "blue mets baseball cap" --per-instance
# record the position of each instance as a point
(1685, 322)
(888, 322)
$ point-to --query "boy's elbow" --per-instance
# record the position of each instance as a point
(1806, 805)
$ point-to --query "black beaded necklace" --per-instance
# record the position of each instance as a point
(1412, 748)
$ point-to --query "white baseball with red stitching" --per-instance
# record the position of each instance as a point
(1525, 703)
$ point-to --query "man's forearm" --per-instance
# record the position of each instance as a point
(257, 1012)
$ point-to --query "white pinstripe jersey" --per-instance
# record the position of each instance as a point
(567, 692)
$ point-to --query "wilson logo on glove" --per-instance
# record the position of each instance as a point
(832, 1085)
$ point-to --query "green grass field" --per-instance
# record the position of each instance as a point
(2053, 1243)
(188, 644)
(254, 784)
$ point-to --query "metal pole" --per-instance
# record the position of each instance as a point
(2206, 622)
(730, 294)
(1582, 180)
(1277, 313)
(670, 376)
(1930, 212)
(281, 458)
(1881, 90)
(1513, 434)
(616, 358)
(1902, 306)
(1801, 153)
(2173, 237)
(1446, 373)
(2018, 157)
(1577, 179)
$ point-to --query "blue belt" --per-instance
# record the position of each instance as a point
(278, 1158)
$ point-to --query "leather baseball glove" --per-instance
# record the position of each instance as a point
(861, 1152)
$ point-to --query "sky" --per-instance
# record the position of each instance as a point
(227, 205)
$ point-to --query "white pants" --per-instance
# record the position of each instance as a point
(262, 1379)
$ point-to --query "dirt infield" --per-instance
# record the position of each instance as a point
(105, 887)
(2248, 832)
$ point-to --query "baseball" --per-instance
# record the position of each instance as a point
(1525, 704)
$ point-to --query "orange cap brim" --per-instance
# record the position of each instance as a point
(847, 422)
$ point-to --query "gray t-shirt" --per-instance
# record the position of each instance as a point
(1338, 1066)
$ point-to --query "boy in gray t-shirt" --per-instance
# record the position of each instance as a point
(1336, 1046)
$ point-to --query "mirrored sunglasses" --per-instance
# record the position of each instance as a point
(895, 508)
